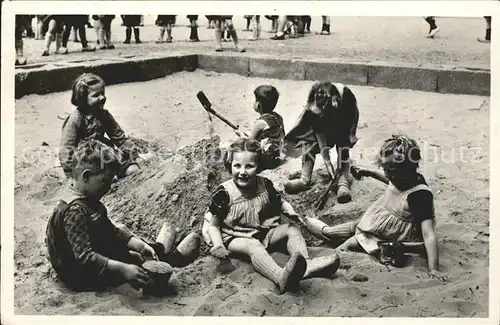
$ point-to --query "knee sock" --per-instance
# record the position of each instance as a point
(162, 32)
(265, 265)
(297, 244)
(48, 40)
(102, 36)
(344, 230)
(233, 34)
(108, 36)
(19, 48)
(136, 35)
(307, 169)
(218, 35)
(83, 36)
(128, 34)
(488, 34)
(431, 21)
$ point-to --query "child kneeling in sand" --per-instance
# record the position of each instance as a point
(244, 218)
(88, 251)
(269, 128)
(405, 209)
(91, 120)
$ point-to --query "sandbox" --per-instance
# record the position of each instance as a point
(453, 131)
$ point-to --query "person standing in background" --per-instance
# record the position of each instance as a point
(433, 28)
(487, 37)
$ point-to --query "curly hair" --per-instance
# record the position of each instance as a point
(80, 89)
(242, 145)
(399, 150)
(94, 155)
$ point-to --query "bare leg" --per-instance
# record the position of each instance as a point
(218, 42)
(304, 183)
(234, 35)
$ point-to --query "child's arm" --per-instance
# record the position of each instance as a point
(78, 235)
(69, 142)
(430, 242)
(113, 129)
(218, 250)
(258, 127)
(358, 173)
(218, 207)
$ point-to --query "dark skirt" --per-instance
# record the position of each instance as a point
(163, 20)
(218, 17)
(75, 20)
(131, 20)
(271, 17)
(192, 17)
(104, 18)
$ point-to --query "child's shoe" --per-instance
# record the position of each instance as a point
(292, 273)
(88, 49)
(102, 47)
(483, 40)
(169, 39)
(433, 32)
(110, 46)
(219, 48)
(343, 192)
(296, 186)
(278, 38)
(322, 267)
(45, 53)
(63, 50)
(239, 48)
(21, 61)
(159, 41)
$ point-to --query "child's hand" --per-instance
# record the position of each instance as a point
(439, 275)
(219, 252)
(299, 219)
(148, 252)
(134, 273)
(358, 173)
(238, 133)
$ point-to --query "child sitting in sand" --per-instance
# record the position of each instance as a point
(91, 120)
(269, 129)
(406, 207)
(88, 251)
(244, 219)
(330, 119)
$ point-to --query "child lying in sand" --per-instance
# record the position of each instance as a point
(91, 120)
(407, 205)
(244, 218)
(329, 119)
(89, 252)
(269, 128)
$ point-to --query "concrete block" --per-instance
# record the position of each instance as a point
(402, 77)
(464, 82)
(343, 72)
(224, 63)
(276, 68)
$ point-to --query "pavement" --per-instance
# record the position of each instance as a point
(380, 51)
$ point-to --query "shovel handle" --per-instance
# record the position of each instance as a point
(208, 107)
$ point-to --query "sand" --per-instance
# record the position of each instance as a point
(174, 188)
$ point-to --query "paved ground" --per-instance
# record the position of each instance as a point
(399, 39)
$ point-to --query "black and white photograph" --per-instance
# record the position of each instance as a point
(210, 162)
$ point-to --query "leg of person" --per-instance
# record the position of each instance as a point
(169, 32)
(186, 251)
(487, 37)
(255, 29)
(325, 29)
(166, 237)
(350, 244)
(285, 278)
(234, 35)
(20, 60)
(433, 28)
(280, 33)
(193, 36)
(249, 20)
(343, 190)
(342, 231)
(308, 25)
(39, 27)
(59, 37)
(74, 36)
(137, 35)
(218, 36)
(101, 34)
(49, 36)
(83, 38)
(65, 38)
(162, 34)
(295, 186)
(128, 35)
(109, 44)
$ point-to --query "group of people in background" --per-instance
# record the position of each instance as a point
(59, 29)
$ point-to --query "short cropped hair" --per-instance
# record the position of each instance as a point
(80, 89)
(267, 96)
(399, 151)
(94, 155)
(242, 145)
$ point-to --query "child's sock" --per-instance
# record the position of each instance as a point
(108, 39)
(193, 36)
(265, 265)
(137, 36)
(344, 230)
(488, 34)
(128, 35)
(169, 33)
(218, 37)
(102, 37)
(307, 169)
(297, 244)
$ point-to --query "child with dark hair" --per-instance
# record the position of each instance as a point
(91, 120)
(269, 128)
(131, 21)
(85, 248)
(165, 22)
(404, 213)
(243, 218)
(330, 119)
